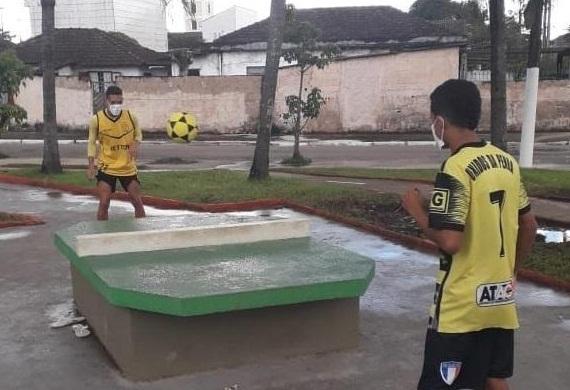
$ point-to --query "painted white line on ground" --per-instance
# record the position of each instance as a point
(346, 182)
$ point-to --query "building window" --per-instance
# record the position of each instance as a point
(255, 70)
(194, 25)
(209, 8)
(101, 80)
(193, 72)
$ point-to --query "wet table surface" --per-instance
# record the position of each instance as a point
(205, 280)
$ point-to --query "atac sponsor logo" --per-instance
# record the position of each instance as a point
(449, 371)
(495, 294)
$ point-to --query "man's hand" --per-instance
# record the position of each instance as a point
(133, 150)
(413, 203)
(91, 171)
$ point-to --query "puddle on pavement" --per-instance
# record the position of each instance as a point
(14, 235)
(404, 279)
(554, 235)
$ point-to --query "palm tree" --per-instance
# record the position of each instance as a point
(260, 167)
(51, 162)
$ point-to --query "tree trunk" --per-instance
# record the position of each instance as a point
(535, 15)
(498, 74)
(260, 167)
(535, 36)
(51, 162)
(297, 128)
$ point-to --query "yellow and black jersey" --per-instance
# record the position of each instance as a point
(479, 192)
(115, 137)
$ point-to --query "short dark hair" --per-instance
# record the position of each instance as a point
(458, 102)
(113, 90)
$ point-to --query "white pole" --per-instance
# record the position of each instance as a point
(529, 119)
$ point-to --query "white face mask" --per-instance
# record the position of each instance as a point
(439, 142)
(115, 109)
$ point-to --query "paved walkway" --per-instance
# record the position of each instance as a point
(34, 282)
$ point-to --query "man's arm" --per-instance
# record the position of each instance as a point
(92, 148)
(449, 241)
(133, 149)
(526, 238)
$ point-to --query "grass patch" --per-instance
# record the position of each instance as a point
(366, 173)
(173, 161)
(539, 182)
(229, 186)
(551, 259)
(217, 186)
(299, 161)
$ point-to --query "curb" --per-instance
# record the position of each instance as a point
(24, 220)
(411, 242)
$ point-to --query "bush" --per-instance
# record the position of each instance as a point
(297, 161)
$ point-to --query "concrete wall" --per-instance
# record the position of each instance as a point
(221, 104)
(553, 112)
(73, 99)
(388, 93)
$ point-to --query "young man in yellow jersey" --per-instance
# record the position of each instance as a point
(118, 135)
(480, 219)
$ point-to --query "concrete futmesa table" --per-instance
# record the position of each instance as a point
(176, 295)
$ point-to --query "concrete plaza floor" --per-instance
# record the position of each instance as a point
(34, 278)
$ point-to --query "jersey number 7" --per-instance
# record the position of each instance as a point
(498, 198)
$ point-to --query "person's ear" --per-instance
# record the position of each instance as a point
(439, 125)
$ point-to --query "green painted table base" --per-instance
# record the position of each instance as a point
(149, 346)
(179, 311)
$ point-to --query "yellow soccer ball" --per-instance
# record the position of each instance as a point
(182, 127)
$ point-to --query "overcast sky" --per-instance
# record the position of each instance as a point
(15, 18)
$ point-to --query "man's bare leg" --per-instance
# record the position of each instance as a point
(104, 191)
(497, 384)
(135, 194)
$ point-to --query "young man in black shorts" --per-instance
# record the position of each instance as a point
(480, 219)
(118, 135)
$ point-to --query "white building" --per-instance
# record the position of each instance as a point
(204, 9)
(380, 30)
(227, 21)
(143, 20)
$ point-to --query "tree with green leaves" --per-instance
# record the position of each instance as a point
(307, 53)
(436, 9)
(13, 74)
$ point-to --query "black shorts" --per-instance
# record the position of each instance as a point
(466, 360)
(112, 180)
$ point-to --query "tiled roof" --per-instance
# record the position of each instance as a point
(349, 25)
(186, 40)
(562, 41)
(91, 47)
